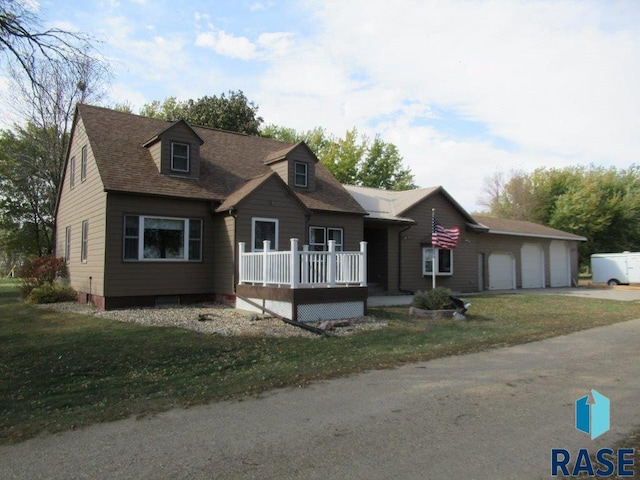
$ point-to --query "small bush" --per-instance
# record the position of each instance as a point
(50, 293)
(436, 299)
(38, 271)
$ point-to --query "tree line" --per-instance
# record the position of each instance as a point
(599, 203)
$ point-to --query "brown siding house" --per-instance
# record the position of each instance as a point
(153, 211)
(491, 253)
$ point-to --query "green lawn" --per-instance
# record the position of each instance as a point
(61, 371)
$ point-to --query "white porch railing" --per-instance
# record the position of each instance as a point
(303, 268)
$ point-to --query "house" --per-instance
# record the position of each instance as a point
(491, 254)
(153, 212)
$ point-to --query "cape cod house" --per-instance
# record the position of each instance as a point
(154, 212)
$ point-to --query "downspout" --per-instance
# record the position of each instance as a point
(234, 214)
(407, 292)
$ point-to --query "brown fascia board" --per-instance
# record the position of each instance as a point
(230, 203)
(440, 189)
(76, 114)
(157, 136)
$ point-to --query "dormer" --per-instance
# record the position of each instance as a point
(176, 150)
(296, 165)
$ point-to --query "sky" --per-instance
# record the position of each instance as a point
(465, 89)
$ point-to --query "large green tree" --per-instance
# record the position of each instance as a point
(602, 204)
(232, 112)
(353, 159)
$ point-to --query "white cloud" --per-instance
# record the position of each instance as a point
(227, 44)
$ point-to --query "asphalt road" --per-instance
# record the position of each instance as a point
(490, 415)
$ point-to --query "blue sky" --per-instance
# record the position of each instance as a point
(465, 89)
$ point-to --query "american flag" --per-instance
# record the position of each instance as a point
(444, 237)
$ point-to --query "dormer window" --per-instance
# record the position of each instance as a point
(179, 157)
(300, 172)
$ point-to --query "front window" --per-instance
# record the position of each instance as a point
(319, 238)
(162, 238)
(300, 174)
(444, 261)
(179, 157)
(264, 229)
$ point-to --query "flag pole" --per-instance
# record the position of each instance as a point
(433, 250)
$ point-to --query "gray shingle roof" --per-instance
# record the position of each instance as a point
(229, 161)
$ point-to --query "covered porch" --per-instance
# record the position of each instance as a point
(303, 285)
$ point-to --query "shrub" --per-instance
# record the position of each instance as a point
(436, 299)
(38, 271)
(50, 293)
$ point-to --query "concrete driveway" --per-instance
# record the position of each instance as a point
(494, 414)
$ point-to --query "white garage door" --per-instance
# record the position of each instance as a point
(532, 260)
(560, 266)
(501, 271)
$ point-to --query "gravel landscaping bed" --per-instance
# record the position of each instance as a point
(212, 318)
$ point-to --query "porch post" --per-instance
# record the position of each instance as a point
(241, 260)
(266, 246)
(305, 264)
(331, 264)
(363, 264)
(295, 263)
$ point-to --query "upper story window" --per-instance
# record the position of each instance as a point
(300, 174)
(72, 172)
(179, 157)
(83, 164)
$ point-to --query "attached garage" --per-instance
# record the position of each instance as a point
(502, 271)
(532, 265)
(559, 264)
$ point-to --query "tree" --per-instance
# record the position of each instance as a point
(353, 159)
(27, 44)
(51, 71)
(382, 168)
(235, 112)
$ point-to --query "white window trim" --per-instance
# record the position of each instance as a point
(254, 220)
(426, 254)
(173, 168)
(185, 241)
(84, 244)
(83, 164)
(295, 174)
(72, 172)
(325, 245)
(67, 244)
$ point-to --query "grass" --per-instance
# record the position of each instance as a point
(62, 371)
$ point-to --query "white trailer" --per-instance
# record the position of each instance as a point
(616, 268)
